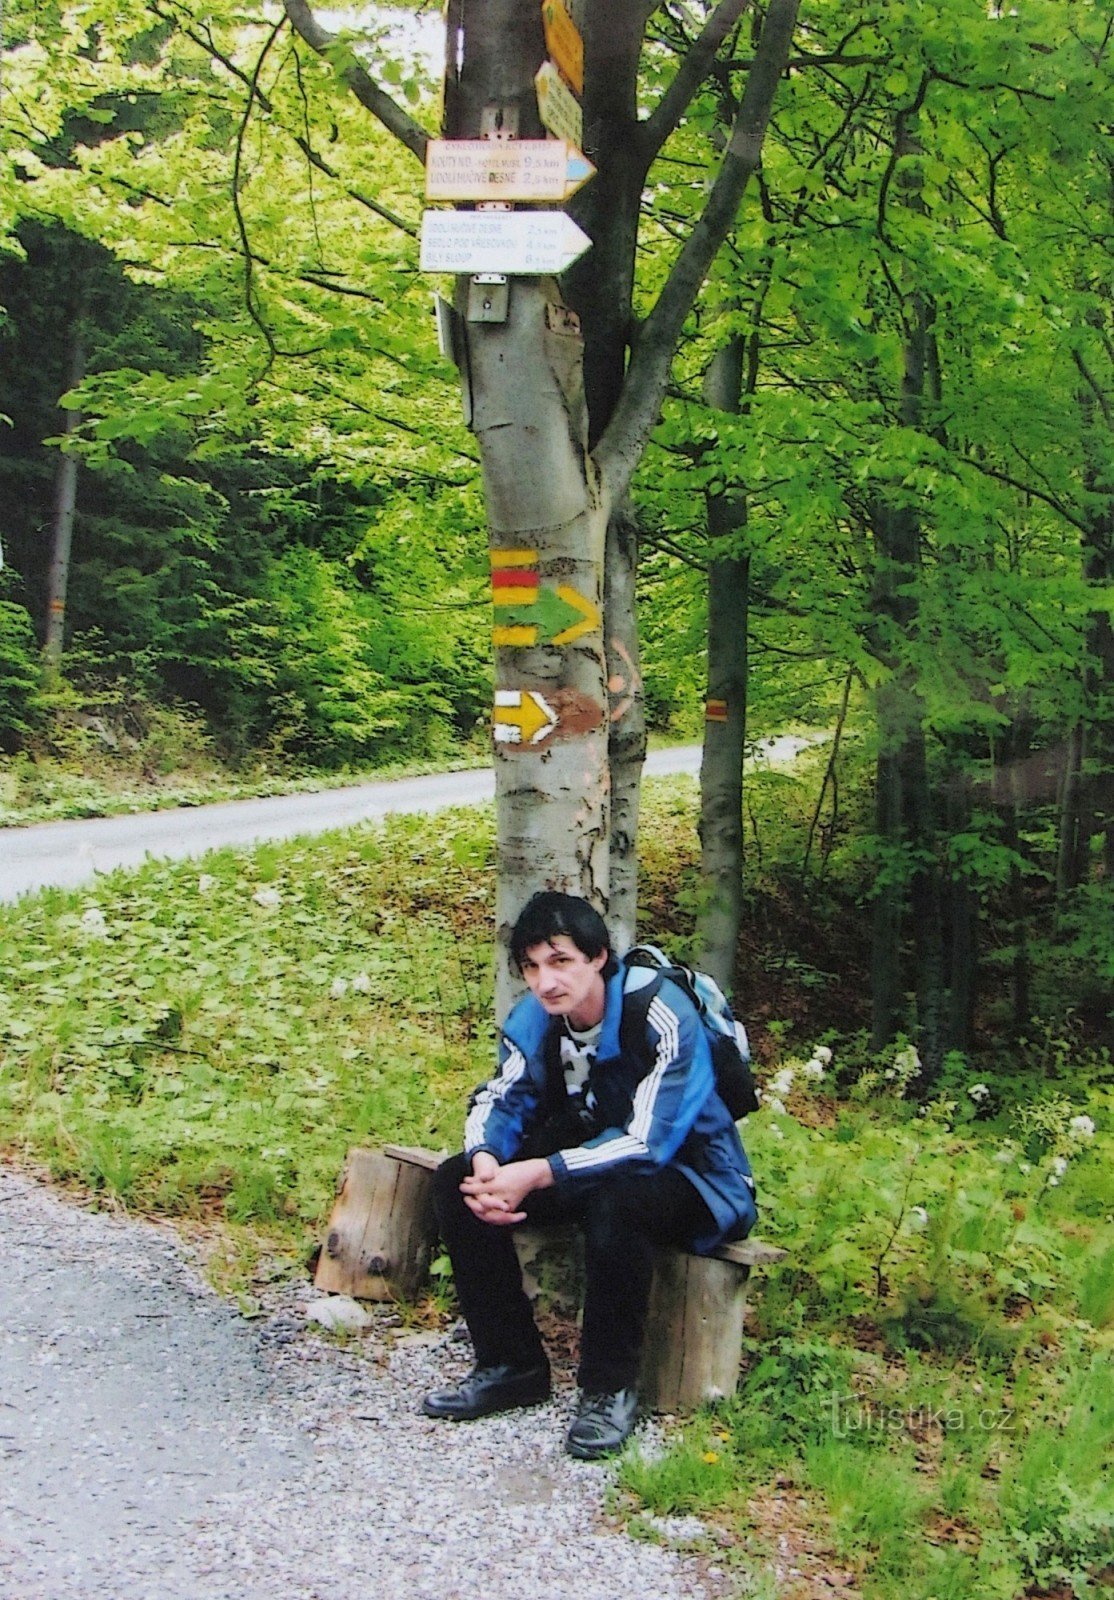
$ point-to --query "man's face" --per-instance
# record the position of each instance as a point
(566, 981)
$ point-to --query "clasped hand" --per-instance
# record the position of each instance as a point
(495, 1193)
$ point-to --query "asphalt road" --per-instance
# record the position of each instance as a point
(68, 854)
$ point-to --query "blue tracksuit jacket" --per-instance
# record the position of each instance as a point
(658, 1108)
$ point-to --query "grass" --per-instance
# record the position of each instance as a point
(926, 1401)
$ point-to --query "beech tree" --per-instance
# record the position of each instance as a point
(562, 406)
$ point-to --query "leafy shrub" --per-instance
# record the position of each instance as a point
(20, 701)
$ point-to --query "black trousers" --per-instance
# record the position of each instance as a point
(624, 1217)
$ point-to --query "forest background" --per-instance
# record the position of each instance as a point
(244, 543)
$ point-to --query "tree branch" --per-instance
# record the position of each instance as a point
(1023, 487)
(362, 84)
(689, 75)
(648, 374)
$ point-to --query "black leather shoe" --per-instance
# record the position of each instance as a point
(604, 1422)
(488, 1389)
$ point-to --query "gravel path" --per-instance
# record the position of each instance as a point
(154, 1445)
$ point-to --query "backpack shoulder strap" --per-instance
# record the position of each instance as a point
(641, 982)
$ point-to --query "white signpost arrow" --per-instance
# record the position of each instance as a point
(513, 242)
(504, 169)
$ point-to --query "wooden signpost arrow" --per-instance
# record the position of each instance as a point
(513, 242)
(504, 169)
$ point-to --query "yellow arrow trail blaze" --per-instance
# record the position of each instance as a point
(522, 716)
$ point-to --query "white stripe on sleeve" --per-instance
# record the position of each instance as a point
(490, 1095)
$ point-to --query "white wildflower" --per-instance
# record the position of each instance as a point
(813, 1070)
(978, 1092)
(267, 898)
(1053, 1181)
(1059, 1165)
(1004, 1154)
(1081, 1129)
(205, 883)
(823, 1055)
(772, 1103)
(339, 988)
(92, 922)
(782, 1082)
(918, 1216)
(775, 1131)
(907, 1063)
(361, 983)
(1024, 1166)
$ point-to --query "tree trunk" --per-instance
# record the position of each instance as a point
(721, 766)
(961, 922)
(1069, 855)
(546, 528)
(627, 724)
(925, 905)
(65, 507)
(897, 535)
(1096, 808)
(549, 503)
(599, 288)
(725, 719)
(887, 921)
(551, 724)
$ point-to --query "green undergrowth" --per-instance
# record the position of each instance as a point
(930, 1369)
(927, 1372)
(205, 1039)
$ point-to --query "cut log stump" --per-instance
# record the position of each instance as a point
(694, 1326)
(382, 1230)
(382, 1234)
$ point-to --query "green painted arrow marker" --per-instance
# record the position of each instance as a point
(560, 615)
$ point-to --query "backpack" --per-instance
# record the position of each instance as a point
(727, 1038)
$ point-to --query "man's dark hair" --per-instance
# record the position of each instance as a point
(550, 913)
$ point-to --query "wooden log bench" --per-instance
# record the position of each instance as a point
(382, 1234)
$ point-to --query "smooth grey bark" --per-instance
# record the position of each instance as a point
(721, 766)
(626, 723)
(65, 507)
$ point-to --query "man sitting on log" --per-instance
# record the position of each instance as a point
(625, 1137)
